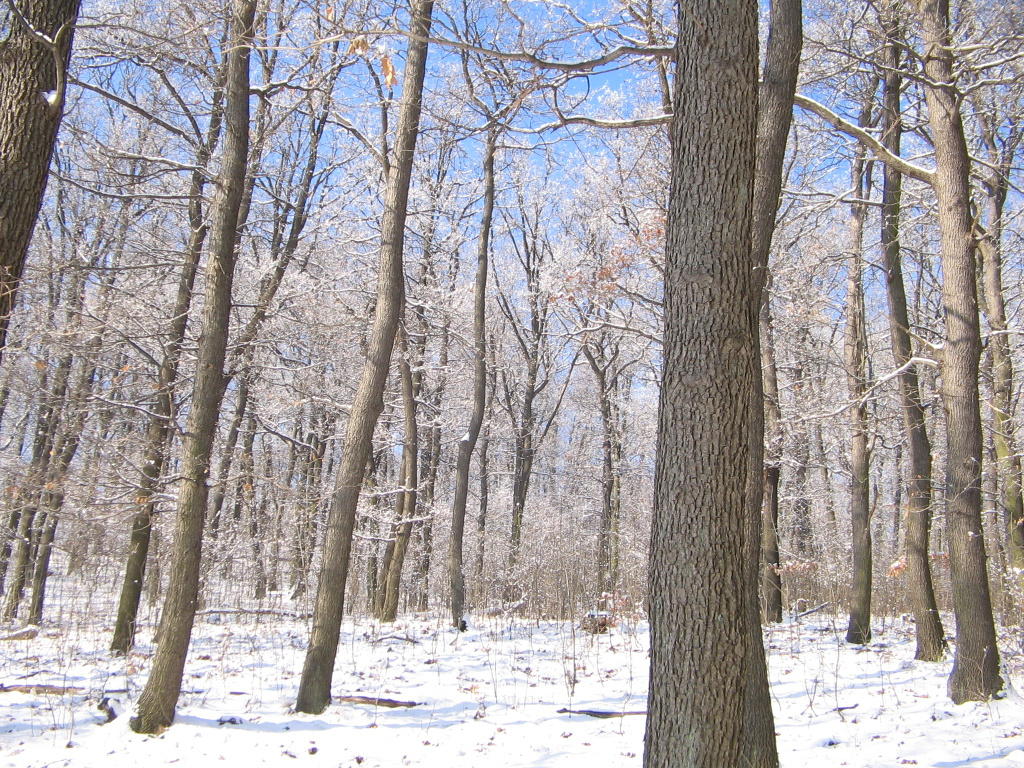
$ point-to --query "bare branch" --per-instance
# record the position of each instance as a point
(866, 139)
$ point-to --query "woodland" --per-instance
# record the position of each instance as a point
(700, 316)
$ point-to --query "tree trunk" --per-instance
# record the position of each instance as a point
(31, 107)
(159, 698)
(318, 669)
(975, 673)
(699, 575)
(468, 441)
(855, 347)
(1001, 154)
(410, 480)
(931, 642)
(158, 429)
(771, 579)
(774, 116)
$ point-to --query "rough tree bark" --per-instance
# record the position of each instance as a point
(975, 675)
(699, 576)
(159, 697)
(774, 116)
(318, 669)
(931, 644)
(34, 60)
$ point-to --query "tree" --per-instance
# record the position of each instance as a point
(34, 51)
(698, 574)
(931, 642)
(158, 699)
(468, 441)
(975, 674)
(775, 114)
(856, 352)
(318, 668)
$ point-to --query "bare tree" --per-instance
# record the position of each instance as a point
(159, 698)
(317, 671)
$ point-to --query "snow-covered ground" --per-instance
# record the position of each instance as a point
(489, 697)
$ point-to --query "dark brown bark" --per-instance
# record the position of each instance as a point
(700, 580)
(975, 673)
(317, 672)
(771, 579)
(774, 116)
(602, 355)
(931, 642)
(159, 697)
(31, 107)
(771, 583)
(468, 441)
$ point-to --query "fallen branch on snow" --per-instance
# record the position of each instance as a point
(600, 712)
(377, 702)
(56, 690)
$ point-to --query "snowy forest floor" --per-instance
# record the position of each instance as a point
(488, 697)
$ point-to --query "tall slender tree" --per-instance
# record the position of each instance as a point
(159, 697)
(975, 674)
(318, 669)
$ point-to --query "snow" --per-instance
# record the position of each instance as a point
(488, 697)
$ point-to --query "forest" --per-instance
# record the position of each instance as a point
(406, 365)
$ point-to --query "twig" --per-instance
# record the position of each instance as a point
(395, 637)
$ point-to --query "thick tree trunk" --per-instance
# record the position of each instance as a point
(931, 642)
(700, 580)
(31, 107)
(159, 698)
(318, 669)
(975, 673)
(468, 442)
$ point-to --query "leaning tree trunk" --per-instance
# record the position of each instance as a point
(158, 428)
(975, 675)
(931, 643)
(468, 442)
(318, 669)
(159, 698)
(700, 578)
(34, 60)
